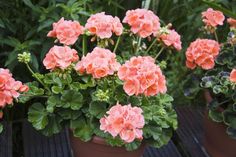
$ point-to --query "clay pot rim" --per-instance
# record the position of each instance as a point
(99, 140)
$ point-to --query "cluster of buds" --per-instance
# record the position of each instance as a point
(24, 57)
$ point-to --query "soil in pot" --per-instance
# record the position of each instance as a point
(98, 148)
(216, 141)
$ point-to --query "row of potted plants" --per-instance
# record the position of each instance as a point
(110, 98)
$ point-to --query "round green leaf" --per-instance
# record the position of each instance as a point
(73, 99)
(97, 109)
(37, 115)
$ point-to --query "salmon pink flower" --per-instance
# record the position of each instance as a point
(125, 121)
(231, 22)
(60, 57)
(142, 76)
(212, 17)
(142, 22)
(202, 52)
(66, 31)
(172, 39)
(103, 25)
(9, 88)
(232, 76)
(100, 63)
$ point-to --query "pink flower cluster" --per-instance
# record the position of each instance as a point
(212, 17)
(142, 76)
(100, 63)
(104, 25)
(172, 39)
(66, 31)
(232, 76)
(125, 121)
(9, 88)
(231, 22)
(60, 57)
(143, 22)
(202, 52)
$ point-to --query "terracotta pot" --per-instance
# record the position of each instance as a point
(216, 141)
(98, 148)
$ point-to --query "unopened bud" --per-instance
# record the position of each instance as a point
(24, 57)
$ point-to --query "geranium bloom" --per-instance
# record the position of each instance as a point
(66, 31)
(9, 88)
(104, 25)
(125, 121)
(172, 39)
(212, 17)
(232, 76)
(202, 52)
(100, 63)
(231, 22)
(143, 22)
(142, 76)
(60, 57)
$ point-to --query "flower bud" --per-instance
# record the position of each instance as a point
(24, 57)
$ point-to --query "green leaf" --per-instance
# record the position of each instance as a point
(73, 99)
(57, 89)
(89, 82)
(114, 142)
(165, 99)
(133, 146)
(97, 109)
(69, 114)
(52, 102)
(45, 24)
(38, 116)
(30, 4)
(84, 131)
(216, 116)
(213, 105)
(231, 132)
(34, 91)
(229, 118)
(53, 126)
(209, 81)
(220, 89)
(135, 101)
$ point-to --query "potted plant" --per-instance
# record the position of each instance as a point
(114, 103)
(219, 80)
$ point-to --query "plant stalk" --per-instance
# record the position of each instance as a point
(84, 45)
(158, 54)
(217, 39)
(117, 43)
(138, 45)
(35, 76)
(152, 44)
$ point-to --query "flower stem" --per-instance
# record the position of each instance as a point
(116, 46)
(84, 45)
(153, 43)
(217, 39)
(138, 45)
(158, 54)
(35, 76)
